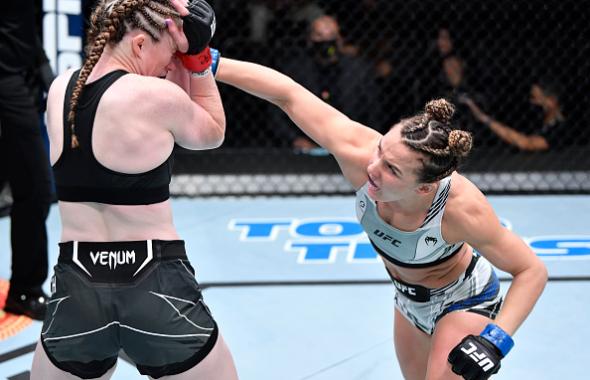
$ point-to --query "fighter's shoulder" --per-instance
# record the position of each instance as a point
(467, 210)
(461, 186)
(147, 85)
(465, 199)
(149, 90)
(60, 82)
(57, 90)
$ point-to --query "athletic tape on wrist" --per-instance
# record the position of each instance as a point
(200, 74)
(498, 337)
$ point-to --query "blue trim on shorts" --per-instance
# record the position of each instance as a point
(489, 292)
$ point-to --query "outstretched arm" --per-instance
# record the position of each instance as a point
(506, 133)
(350, 142)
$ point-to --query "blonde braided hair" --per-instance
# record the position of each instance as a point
(110, 20)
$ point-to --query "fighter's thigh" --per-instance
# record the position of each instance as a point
(43, 368)
(217, 365)
(449, 331)
(412, 347)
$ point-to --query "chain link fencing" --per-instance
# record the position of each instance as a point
(522, 64)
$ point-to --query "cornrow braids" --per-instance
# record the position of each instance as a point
(110, 20)
(431, 134)
(93, 28)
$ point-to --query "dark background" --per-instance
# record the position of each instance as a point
(505, 45)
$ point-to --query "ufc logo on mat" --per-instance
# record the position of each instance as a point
(479, 357)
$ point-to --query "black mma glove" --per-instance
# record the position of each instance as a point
(478, 357)
(198, 25)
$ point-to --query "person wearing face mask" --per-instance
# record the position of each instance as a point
(547, 136)
(329, 72)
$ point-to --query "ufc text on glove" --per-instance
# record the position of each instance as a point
(478, 357)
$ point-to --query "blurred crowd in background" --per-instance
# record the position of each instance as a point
(378, 61)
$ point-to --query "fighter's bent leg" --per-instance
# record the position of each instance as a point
(450, 330)
(43, 368)
(218, 365)
(411, 347)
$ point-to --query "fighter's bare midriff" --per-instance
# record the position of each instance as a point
(436, 276)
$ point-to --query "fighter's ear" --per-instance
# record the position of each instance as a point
(425, 188)
(137, 44)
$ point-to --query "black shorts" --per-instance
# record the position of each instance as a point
(140, 297)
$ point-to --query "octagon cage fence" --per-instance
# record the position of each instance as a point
(384, 61)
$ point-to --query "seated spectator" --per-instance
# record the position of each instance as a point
(546, 136)
(444, 63)
(344, 81)
(396, 76)
(452, 81)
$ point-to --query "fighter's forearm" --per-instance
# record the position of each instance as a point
(525, 290)
(258, 80)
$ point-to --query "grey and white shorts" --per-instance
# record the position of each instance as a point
(476, 290)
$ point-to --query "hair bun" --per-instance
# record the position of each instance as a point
(440, 110)
(460, 142)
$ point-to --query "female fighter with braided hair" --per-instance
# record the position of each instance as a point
(435, 231)
(123, 280)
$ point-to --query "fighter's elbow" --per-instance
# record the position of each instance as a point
(218, 142)
(542, 272)
(217, 137)
(537, 275)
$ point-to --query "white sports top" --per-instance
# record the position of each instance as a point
(423, 247)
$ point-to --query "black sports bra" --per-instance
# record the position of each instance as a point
(79, 177)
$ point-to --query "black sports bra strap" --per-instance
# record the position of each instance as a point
(79, 177)
(99, 87)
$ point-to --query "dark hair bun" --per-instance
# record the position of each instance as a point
(460, 142)
(440, 110)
